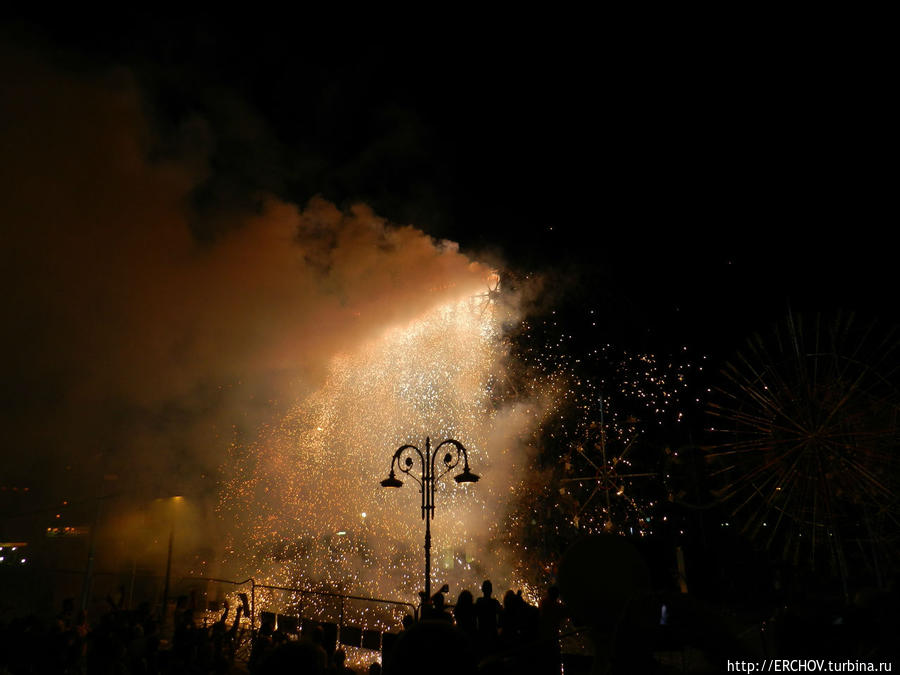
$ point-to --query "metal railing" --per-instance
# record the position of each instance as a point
(343, 597)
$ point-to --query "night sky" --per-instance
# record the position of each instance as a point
(689, 189)
(683, 186)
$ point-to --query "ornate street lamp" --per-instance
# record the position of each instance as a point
(403, 459)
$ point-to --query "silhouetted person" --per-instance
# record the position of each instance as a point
(438, 612)
(302, 657)
(424, 605)
(551, 617)
(223, 639)
(338, 664)
(80, 631)
(512, 620)
(530, 619)
(464, 613)
(432, 647)
(263, 643)
(67, 615)
(185, 640)
(181, 606)
(487, 613)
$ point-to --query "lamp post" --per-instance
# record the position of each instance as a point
(403, 459)
(173, 502)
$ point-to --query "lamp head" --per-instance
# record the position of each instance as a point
(466, 476)
(391, 481)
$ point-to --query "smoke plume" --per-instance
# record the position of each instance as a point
(132, 347)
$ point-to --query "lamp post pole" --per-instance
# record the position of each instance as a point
(171, 503)
(165, 600)
(403, 459)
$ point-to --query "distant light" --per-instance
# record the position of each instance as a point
(363, 514)
(2, 558)
(341, 533)
(22, 560)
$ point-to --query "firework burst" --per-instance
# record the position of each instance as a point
(808, 422)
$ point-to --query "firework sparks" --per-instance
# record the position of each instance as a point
(306, 499)
(808, 422)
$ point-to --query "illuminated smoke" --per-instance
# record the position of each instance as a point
(299, 495)
(135, 349)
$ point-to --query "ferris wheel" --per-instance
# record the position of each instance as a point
(487, 300)
(601, 487)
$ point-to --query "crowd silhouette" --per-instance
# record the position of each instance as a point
(627, 633)
(468, 636)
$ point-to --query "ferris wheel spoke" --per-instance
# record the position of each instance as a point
(587, 501)
(581, 453)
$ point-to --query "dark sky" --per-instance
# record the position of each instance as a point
(687, 187)
(749, 148)
(684, 184)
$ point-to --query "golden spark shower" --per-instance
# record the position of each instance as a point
(306, 497)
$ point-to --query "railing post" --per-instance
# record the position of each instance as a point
(252, 605)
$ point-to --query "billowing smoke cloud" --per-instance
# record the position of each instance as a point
(130, 347)
(245, 363)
